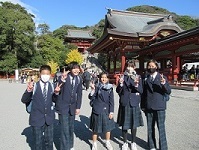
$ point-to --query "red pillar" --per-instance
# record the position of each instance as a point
(123, 61)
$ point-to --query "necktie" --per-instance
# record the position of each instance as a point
(45, 93)
(152, 78)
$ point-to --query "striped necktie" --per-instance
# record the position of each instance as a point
(45, 92)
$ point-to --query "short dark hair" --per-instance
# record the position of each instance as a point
(73, 65)
(66, 68)
(130, 63)
(103, 73)
(45, 67)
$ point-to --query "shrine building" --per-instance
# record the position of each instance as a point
(83, 39)
(145, 36)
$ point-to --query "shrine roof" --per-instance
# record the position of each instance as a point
(138, 24)
(84, 34)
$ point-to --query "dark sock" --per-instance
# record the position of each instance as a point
(124, 134)
(133, 134)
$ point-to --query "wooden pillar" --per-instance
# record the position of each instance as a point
(173, 65)
(115, 60)
(123, 61)
(108, 63)
(178, 63)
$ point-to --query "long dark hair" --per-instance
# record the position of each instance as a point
(153, 61)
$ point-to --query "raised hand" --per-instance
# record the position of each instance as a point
(58, 88)
(30, 86)
(92, 85)
(136, 81)
(64, 75)
(121, 79)
(162, 80)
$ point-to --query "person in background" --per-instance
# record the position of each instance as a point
(155, 87)
(86, 78)
(102, 103)
(129, 114)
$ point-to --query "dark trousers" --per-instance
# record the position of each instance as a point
(45, 131)
(154, 116)
(87, 84)
(67, 131)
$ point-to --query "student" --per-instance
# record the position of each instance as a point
(154, 104)
(42, 113)
(129, 114)
(68, 104)
(87, 78)
(102, 103)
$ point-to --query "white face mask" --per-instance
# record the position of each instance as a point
(45, 78)
(130, 69)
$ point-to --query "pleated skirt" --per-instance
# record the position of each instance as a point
(100, 123)
(129, 117)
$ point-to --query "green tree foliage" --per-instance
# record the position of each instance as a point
(8, 63)
(186, 22)
(149, 9)
(43, 28)
(36, 60)
(74, 55)
(102, 59)
(16, 36)
(99, 28)
(51, 48)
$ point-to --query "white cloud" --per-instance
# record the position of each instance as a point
(29, 9)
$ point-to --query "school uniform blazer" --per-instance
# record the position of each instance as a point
(41, 113)
(130, 94)
(102, 101)
(153, 95)
(67, 102)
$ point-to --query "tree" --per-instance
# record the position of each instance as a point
(186, 22)
(98, 29)
(17, 36)
(54, 66)
(44, 28)
(74, 55)
(51, 48)
(8, 63)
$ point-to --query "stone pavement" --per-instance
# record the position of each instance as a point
(182, 122)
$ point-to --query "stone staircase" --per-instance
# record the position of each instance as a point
(91, 62)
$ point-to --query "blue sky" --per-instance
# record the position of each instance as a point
(80, 13)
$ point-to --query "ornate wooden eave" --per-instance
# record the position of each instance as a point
(181, 43)
(139, 30)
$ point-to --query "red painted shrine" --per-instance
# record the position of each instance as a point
(143, 36)
(83, 39)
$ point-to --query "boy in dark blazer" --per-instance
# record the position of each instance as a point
(68, 104)
(154, 104)
(42, 113)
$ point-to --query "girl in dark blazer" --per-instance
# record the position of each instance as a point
(156, 87)
(129, 114)
(102, 103)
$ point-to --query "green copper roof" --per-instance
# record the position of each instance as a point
(84, 34)
(136, 23)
